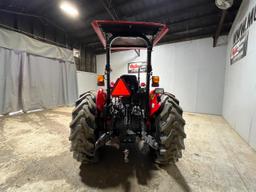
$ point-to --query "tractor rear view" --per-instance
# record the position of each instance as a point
(128, 112)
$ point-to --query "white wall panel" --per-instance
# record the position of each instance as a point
(86, 81)
(239, 106)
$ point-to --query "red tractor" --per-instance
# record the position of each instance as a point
(127, 112)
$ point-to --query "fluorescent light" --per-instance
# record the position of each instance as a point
(69, 9)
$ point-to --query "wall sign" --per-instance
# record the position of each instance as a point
(245, 25)
(240, 37)
(133, 67)
(239, 49)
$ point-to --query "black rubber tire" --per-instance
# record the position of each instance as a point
(82, 128)
(170, 130)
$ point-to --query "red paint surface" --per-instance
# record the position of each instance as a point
(154, 105)
(101, 99)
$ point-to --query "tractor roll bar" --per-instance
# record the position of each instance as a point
(109, 42)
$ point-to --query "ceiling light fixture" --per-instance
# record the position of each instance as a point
(224, 4)
(69, 9)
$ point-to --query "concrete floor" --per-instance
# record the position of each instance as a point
(34, 156)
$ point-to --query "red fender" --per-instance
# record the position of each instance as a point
(101, 99)
(154, 105)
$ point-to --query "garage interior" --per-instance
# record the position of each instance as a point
(48, 57)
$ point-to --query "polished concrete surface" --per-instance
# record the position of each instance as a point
(34, 156)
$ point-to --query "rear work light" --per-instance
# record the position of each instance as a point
(155, 81)
(100, 80)
(120, 89)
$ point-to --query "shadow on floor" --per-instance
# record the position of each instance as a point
(175, 173)
(112, 171)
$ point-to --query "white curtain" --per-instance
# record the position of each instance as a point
(10, 68)
(30, 82)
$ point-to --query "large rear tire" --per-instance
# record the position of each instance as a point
(170, 126)
(82, 128)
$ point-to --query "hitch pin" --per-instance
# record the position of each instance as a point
(126, 153)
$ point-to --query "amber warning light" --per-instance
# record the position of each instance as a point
(100, 80)
(155, 81)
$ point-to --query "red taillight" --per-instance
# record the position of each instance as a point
(112, 84)
(120, 89)
(142, 84)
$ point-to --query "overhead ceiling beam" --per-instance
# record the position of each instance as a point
(173, 19)
(176, 16)
(87, 19)
(140, 12)
(172, 11)
(139, 8)
(40, 18)
(219, 28)
(113, 15)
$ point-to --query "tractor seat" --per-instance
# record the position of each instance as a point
(131, 82)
